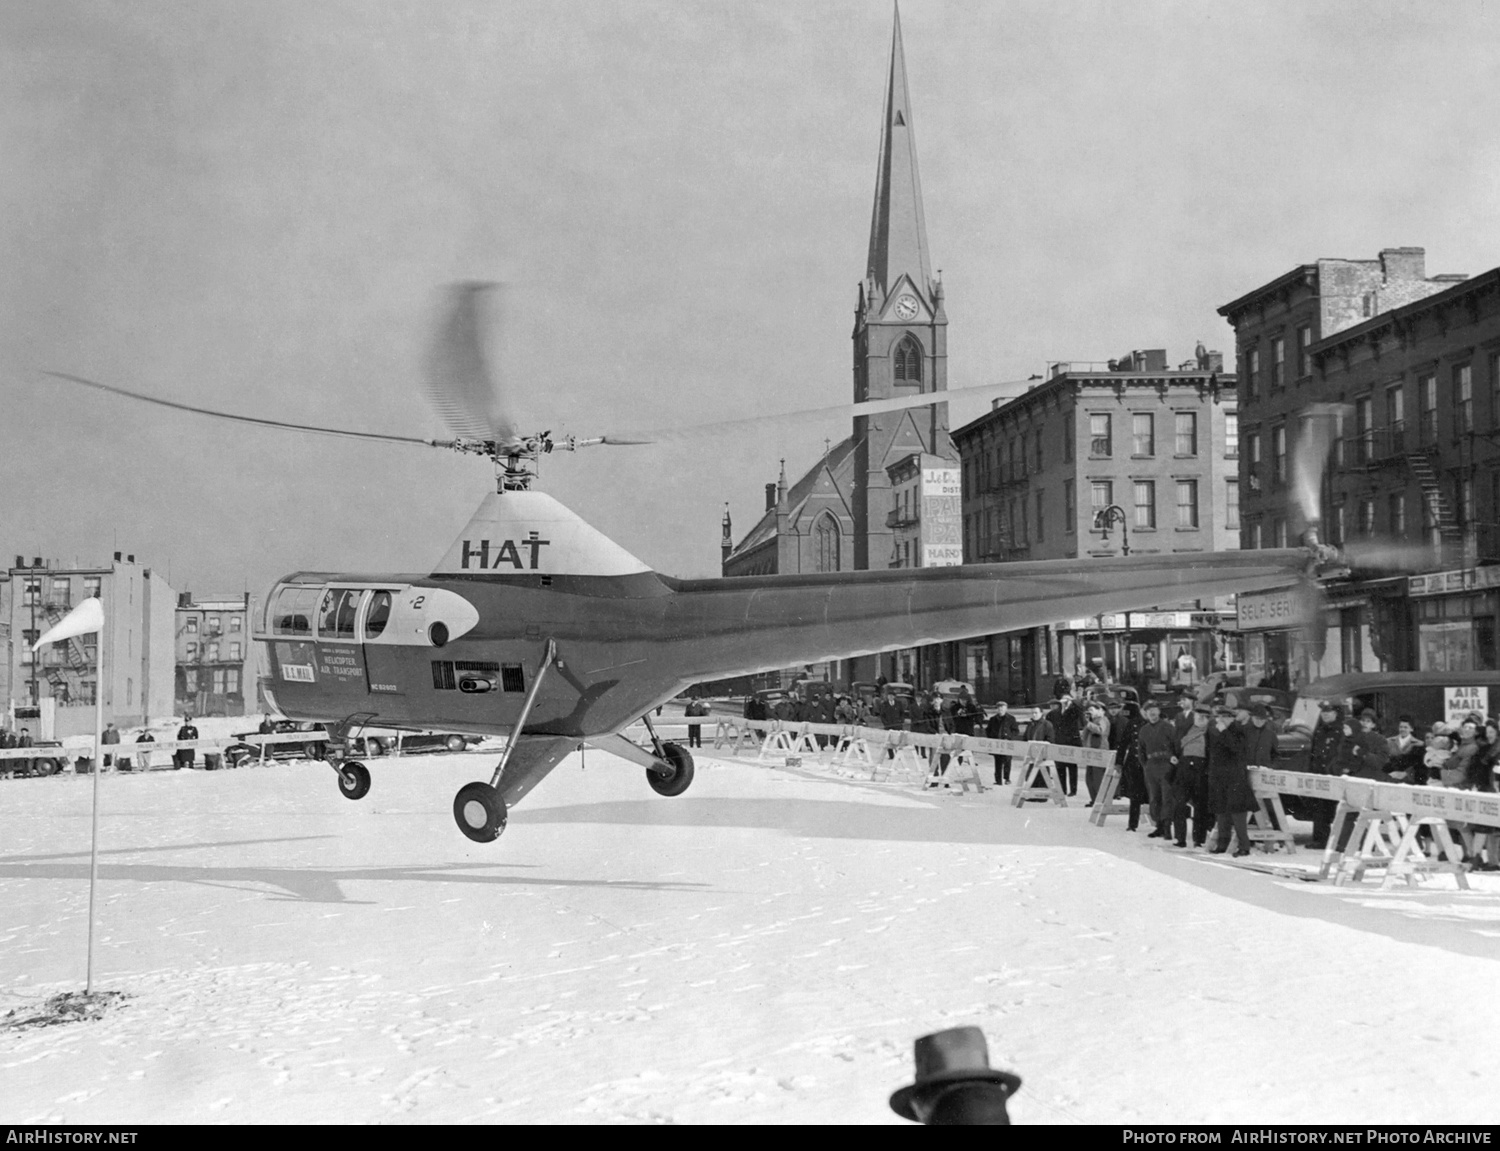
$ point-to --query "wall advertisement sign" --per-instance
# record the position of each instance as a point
(1459, 702)
(941, 522)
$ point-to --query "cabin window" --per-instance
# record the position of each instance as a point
(379, 614)
(337, 615)
(294, 610)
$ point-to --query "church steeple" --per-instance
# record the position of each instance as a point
(898, 229)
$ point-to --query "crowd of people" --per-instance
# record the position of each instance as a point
(1184, 763)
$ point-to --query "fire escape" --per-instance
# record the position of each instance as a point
(74, 662)
(1389, 448)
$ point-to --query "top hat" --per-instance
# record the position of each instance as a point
(957, 1055)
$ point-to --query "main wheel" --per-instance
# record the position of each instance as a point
(454, 743)
(354, 779)
(682, 774)
(479, 812)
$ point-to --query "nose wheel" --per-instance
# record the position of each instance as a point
(354, 779)
(479, 812)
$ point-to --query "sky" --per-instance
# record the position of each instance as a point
(251, 207)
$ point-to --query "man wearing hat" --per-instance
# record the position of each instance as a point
(1159, 750)
(1229, 793)
(1323, 756)
(1368, 751)
(1190, 780)
(955, 1084)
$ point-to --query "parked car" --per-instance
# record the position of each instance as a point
(1420, 694)
(238, 753)
(371, 743)
(50, 759)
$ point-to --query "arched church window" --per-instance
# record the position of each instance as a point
(909, 361)
(826, 538)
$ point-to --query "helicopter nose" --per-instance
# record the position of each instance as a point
(428, 617)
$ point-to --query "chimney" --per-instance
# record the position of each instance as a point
(117, 557)
(1403, 263)
(20, 561)
(36, 561)
(726, 540)
(130, 559)
(770, 496)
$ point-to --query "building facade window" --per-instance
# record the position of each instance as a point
(1101, 495)
(1278, 456)
(1495, 389)
(191, 626)
(1070, 506)
(825, 554)
(1145, 503)
(1427, 409)
(62, 592)
(909, 361)
(1231, 435)
(1367, 517)
(1278, 533)
(1396, 513)
(1252, 460)
(190, 652)
(234, 651)
(1278, 363)
(1363, 429)
(1252, 373)
(1232, 504)
(93, 587)
(1101, 438)
(1143, 434)
(1304, 352)
(29, 636)
(236, 622)
(1068, 434)
(1040, 521)
(1038, 451)
(1187, 433)
(1187, 503)
(1252, 534)
(31, 591)
(1463, 399)
(1395, 417)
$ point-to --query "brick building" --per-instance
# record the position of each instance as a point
(138, 660)
(1414, 364)
(217, 661)
(1157, 443)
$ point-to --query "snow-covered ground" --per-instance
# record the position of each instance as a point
(763, 948)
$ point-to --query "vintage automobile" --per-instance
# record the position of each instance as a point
(1424, 695)
(237, 753)
(50, 759)
(387, 741)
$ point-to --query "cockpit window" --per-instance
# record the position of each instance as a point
(379, 614)
(293, 611)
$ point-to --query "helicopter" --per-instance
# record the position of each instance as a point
(536, 626)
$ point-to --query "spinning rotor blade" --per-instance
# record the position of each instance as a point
(460, 384)
(864, 408)
(1320, 426)
(1388, 555)
(285, 426)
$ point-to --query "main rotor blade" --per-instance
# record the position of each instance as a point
(864, 408)
(462, 388)
(1320, 426)
(283, 425)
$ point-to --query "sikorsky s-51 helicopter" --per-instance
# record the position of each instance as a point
(536, 626)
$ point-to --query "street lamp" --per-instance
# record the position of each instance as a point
(1106, 518)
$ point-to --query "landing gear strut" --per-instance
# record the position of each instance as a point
(478, 808)
(664, 780)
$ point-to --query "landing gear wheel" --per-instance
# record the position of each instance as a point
(479, 812)
(454, 743)
(354, 780)
(682, 775)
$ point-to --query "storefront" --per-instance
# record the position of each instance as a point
(1153, 650)
(1453, 614)
(1280, 649)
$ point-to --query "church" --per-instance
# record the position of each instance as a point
(839, 514)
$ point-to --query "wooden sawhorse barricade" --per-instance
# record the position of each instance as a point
(1038, 776)
(961, 770)
(1391, 840)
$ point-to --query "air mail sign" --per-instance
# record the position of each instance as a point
(1268, 610)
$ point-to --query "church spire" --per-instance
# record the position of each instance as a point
(898, 229)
